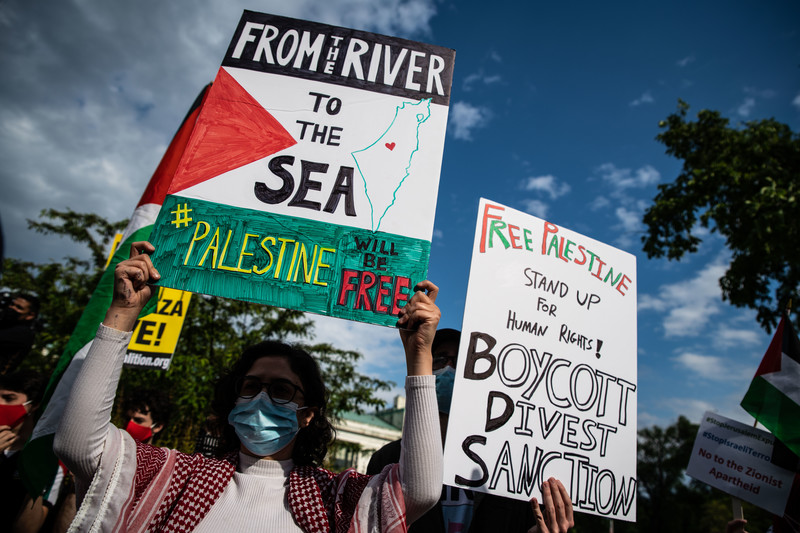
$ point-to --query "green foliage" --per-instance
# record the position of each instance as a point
(662, 458)
(215, 332)
(65, 286)
(741, 182)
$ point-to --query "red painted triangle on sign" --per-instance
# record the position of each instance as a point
(233, 129)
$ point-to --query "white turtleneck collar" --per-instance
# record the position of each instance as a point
(264, 467)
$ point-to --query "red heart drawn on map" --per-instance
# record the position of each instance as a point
(390, 146)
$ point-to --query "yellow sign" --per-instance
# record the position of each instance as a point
(155, 336)
(114, 245)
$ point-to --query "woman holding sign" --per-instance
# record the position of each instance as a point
(275, 402)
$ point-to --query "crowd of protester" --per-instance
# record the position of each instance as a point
(258, 460)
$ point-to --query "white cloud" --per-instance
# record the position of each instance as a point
(629, 220)
(494, 56)
(736, 337)
(624, 178)
(690, 304)
(746, 107)
(796, 101)
(648, 302)
(629, 224)
(760, 93)
(464, 118)
(438, 235)
(471, 79)
(380, 346)
(750, 101)
(691, 408)
(547, 184)
(599, 203)
(536, 208)
(628, 209)
(645, 419)
(480, 78)
(710, 367)
(686, 61)
(646, 98)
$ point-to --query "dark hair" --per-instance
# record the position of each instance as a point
(445, 335)
(153, 401)
(32, 300)
(28, 382)
(312, 441)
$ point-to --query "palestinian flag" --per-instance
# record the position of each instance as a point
(38, 464)
(774, 395)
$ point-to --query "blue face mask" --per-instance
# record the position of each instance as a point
(445, 377)
(264, 427)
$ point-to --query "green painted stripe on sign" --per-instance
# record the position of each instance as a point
(285, 261)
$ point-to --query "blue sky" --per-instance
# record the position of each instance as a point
(554, 111)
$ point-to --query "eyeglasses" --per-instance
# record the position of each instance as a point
(443, 360)
(280, 391)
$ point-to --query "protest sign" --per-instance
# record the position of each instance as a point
(156, 334)
(739, 460)
(310, 180)
(546, 374)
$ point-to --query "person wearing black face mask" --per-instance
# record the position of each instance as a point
(17, 315)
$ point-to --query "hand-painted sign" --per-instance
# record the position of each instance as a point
(741, 461)
(311, 177)
(155, 335)
(548, 362)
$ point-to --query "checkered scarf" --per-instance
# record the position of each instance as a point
(173, 492)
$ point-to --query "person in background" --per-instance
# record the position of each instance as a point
(17, 316)
(465, 510)
(147, 412)
(209, 438)
(20, 396)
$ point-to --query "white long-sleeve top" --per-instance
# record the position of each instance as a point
(86, 425)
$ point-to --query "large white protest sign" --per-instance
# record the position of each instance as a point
(546, 377)
(739, 460)
(311, 176)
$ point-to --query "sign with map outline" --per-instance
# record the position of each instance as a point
(311, 177)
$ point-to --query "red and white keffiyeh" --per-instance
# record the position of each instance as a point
(173, 491)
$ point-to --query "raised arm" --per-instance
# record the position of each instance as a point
(421, 454)
(84, 427)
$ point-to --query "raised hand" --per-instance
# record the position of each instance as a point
(131, 289)
(417, 321)
(7, 438)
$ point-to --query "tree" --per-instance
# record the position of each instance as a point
(741, 182)
(65, 286)
(663, 457)
(216, 331)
